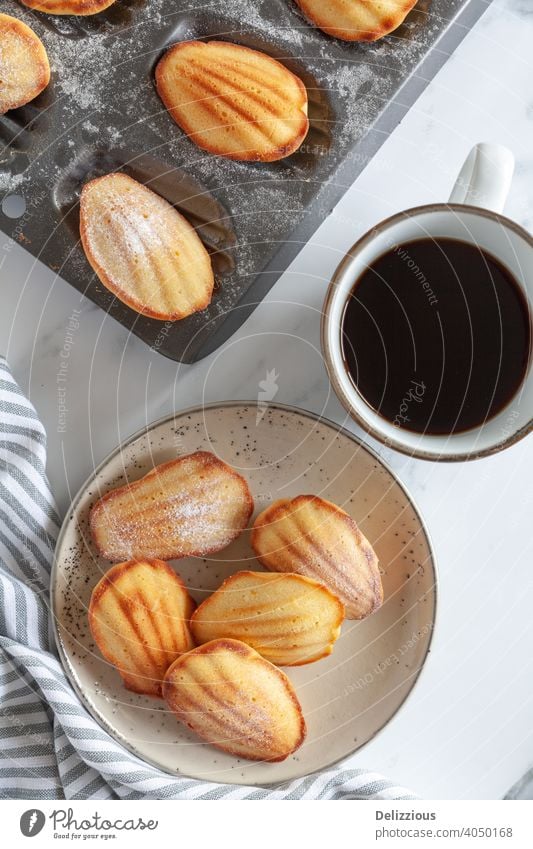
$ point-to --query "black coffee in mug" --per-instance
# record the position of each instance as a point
(436, 336)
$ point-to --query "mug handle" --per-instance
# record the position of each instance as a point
(485, 178)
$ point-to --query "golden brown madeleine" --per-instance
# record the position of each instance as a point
(139, 618)
(316, 538)
(69, 7)
(191, 506)
(233, 101)
(24, 68)
(143, 250)
(289, 619)
(236, 700)
(356, 20)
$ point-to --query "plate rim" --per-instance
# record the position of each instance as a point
(288, 408)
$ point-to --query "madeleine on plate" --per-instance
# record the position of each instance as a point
(143, 250)
(290, 620)
(356, 20)
(191, 506)
(139, 618)
(24, 67)
(233, 101)
(315, 538)
(236, 700)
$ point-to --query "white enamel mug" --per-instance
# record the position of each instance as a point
(473, 214)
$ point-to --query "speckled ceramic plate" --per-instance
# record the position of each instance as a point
(346, 698)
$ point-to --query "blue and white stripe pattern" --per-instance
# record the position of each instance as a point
(50, 747)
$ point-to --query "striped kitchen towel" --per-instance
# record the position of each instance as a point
(51, 747)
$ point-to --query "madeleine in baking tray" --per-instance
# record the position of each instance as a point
(24, 68)
(139, 618)
(191, 506)
(236, 700)
(315, 538)
(69, 7)
(143, 250)
(233, 101)
(289, 619)
(356, 20)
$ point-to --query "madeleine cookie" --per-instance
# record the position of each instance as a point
(236, 700)
(356, 20)
(69, 7)
(24, 68)
(233, 101)
(191, 506)
(143, 250)
(139, 618)
(316, 538)
(290, 620)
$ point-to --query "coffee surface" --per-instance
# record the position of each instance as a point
(436, 336)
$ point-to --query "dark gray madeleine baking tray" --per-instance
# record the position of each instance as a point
(101, 113)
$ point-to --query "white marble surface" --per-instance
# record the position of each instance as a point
(466, 731)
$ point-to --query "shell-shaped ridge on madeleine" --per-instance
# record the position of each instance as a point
(236, 700)
(139, 618)
(143, 250)
(233, 101)
(315, 538)
(25, 70)
(192, 506)
(356, 20)
(289, 619)
(69, 7)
